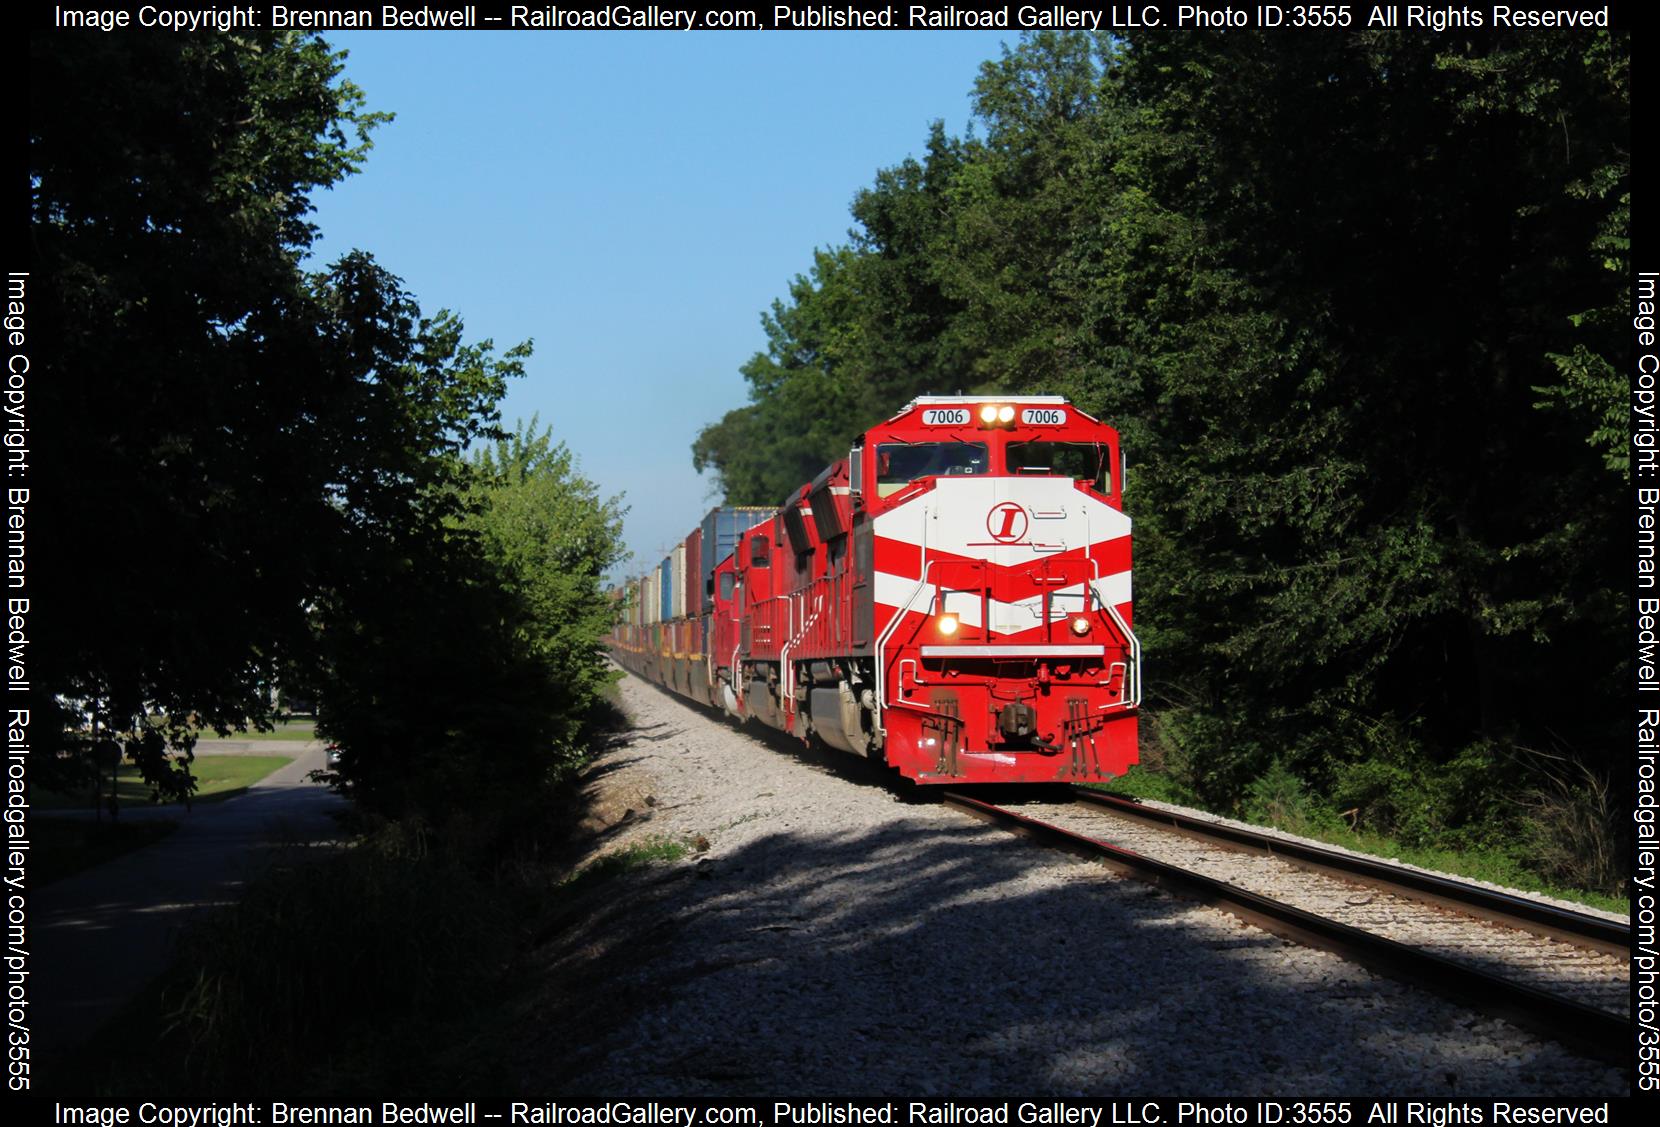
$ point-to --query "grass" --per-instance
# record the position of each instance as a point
(1493, 865)
(1497, 866)
(62, 847)
(218, 777)
(636, 856)
(571, 893)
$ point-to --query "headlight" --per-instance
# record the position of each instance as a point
(947, 624)
(1080, 626)
(996, 415)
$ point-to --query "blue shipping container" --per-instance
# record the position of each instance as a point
(722, 529)
(665, 589)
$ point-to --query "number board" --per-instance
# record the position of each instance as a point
(1043, 416)
(945, 417)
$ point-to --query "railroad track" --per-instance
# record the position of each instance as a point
(1561, 974)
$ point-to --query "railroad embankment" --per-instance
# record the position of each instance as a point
(821, 935)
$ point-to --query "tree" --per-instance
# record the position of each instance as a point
(169, 180)
(860, 335)
(1412, 223)
(461, 670)
(271, 481)
(553, 538)
(433, 667)
(1352, 298)
(804, 390)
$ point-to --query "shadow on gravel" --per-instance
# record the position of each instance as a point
(610, 767)
(924, 956)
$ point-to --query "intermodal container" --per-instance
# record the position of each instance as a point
(692, 570)
(677, 581)
(721, 531)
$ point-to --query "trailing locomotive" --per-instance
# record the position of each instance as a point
(953, 597)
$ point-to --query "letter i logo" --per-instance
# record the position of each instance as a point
(1006, 523)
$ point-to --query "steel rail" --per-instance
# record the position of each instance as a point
(1595, 1032)
(1610, 936)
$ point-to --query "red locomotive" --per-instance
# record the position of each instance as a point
(953, 597)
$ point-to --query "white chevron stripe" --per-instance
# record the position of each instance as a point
(893, 591)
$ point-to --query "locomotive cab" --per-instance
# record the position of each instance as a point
(953, 597)
(1003, 648)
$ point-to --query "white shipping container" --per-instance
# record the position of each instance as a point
(648, 588)
(677, 576)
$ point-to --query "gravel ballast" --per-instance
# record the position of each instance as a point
(827, 937)
(1592, 978)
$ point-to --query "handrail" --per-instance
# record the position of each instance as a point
(1132, 674)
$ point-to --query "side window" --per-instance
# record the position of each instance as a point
(758, 556)
(728, 585)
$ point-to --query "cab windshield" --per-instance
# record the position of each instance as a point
(900, 463)
(1088, 462)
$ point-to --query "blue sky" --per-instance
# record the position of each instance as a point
(632, 201)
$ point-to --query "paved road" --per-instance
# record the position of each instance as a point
(98, 937)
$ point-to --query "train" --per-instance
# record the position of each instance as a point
(952, 598)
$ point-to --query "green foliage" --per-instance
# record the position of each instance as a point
(651, 851)
(412, 648)
(271, 481)
(868, 329)
(1394, 792)
(1353, 299)
(1574, 829)
(1593, 387)
(461, 661)
(1140, 782)
(169, 180)
(803, 398)
(1280, 799)
(553, 537)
